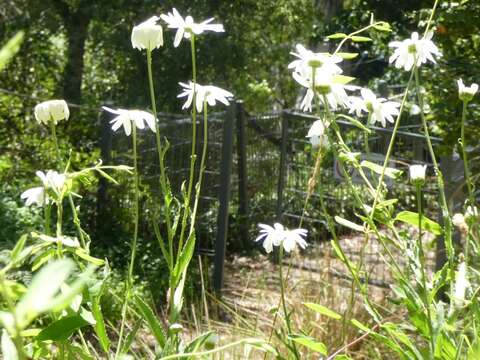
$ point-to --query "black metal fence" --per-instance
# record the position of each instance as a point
(257, 171)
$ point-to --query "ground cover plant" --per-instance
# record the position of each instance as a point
(56, 294)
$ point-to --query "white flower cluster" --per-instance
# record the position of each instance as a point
(278, 235)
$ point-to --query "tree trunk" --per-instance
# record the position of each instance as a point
(77, 31)
(329, 8)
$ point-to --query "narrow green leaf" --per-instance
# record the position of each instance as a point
(383, 26)
(61, 330)
(152, 321)
(349, 224)
(412, 218)
(99, 327)
(389, 172)
(95, 261)
(359, 325)
(342, 79)
(323, 310)
(310, 343)
(18, 248)
(360, 39)
(337, 36)
(355, 122)
(10, 49)
(131, 336)
(347, 56)
(198, 342)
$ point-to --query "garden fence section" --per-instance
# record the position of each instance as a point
(257, 171)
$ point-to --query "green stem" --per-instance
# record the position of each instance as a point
(129, 280)
(423, 280)
(163, 177)
(61, 163)
(202, 167)
(193, 151)
(48, 216)
(468, 180)
(441, 185)
(284, 304)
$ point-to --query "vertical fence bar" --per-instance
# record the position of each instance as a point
(282, 169)
(224, 198)
(452, 170)
(242, 175)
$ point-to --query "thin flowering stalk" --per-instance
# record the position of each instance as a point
(423, 280)
(163, 178)
(76, 220)
(133, 250)
(441, 185)
(284, 305)
(193, 154)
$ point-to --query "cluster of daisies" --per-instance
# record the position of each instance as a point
(149, 36)
(321, 75)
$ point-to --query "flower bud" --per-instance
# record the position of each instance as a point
(52, 111)
(147, 35)
(466, 93)
(459, 221)
(417, 174)
(316, 134)
(471, 213)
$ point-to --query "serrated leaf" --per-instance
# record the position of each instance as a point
(310, 343)
(349, 224)
(360, 39)
(337, 36)
(61, 330)
(152, 321)
(323, 310)
(412, 218)
(389, 172)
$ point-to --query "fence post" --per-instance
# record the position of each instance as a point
(105, 144)
(282, 170)
(452, 170)
(223, 199)
(242, 175)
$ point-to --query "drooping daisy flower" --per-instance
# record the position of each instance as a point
(125, 118)
(51, 180)
(147, 35)
(186, 27)
(321, 62)
(34, 195)
(51, 111)
(417, 173)
(209, 93)
(316, 134)
(466, 93)
(421, 49)
(278, 235)
(380, 109)
(461, 284)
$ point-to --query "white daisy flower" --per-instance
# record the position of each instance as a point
(34, 195)
(204, 93)
(147, 35)
(316, 134)
(466, 93)
(186, 27)
(417, 173)
(51, 111)
(321, 62)
(278, 235)
(406, 51)
(380, 109)
(125, 118)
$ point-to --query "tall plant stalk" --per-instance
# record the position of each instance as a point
(133, 250)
